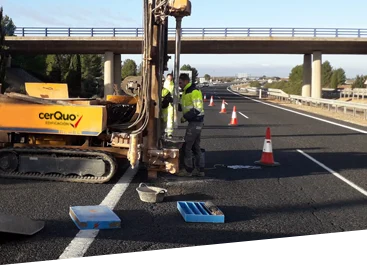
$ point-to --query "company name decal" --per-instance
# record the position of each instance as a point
(59, 118)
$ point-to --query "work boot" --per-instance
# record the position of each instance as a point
(196, 172)
(183, 172)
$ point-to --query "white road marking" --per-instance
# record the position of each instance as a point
(243, 115)
(80, 244)
(364, 192)
(310, 116)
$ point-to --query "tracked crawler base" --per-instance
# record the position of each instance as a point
(57, 164)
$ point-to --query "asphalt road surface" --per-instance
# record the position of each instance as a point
(299, 197)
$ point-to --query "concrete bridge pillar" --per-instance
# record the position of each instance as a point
(108, 73)
(316, 75)
(117, 71)
(306, 88)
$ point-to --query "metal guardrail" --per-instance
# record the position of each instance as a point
(354, 93)
(203, 32)
(330, 104)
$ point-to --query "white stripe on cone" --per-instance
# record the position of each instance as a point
(267, 146)
(211, 101)
(234, 115)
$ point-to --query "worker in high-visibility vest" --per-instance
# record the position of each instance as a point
(192, 108)
(167, 106)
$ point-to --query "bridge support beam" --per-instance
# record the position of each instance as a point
(316, 75)
(306, 88)
(117, 72)
(108, 73)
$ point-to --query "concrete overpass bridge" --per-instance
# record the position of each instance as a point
(112, 42)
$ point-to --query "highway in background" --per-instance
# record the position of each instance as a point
(299, 197)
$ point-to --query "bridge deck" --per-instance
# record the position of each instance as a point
(190, 45)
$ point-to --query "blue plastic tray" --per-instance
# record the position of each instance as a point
(94, 217)
(195, 212)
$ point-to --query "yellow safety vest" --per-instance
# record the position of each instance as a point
(192, 104)
(169, 85)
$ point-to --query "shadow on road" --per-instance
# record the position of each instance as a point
(163, 224)
(188, 197)
(290, 161)
(242, 125)
(276, 135)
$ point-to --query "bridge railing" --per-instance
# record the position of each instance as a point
(198, 32)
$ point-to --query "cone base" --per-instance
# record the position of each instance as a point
(233, 125)
(223, 112)
(267, 164)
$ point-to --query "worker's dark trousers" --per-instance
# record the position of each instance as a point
(192, 146)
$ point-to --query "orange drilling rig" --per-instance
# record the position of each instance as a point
(50, 136)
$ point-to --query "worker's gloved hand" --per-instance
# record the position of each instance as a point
(183, 120)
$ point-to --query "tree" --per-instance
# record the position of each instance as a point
(73, 76)
(294, 86)
(9, 26)
(359, 82)
(91, 74)
(195, 73)
(337, 78)
(255, 83)
(334, 81)
(207, 77)
(35, 65)
(140, 69)
(327, 71)
(128, 68)
(54, 68)
(276, 85)
(296, 74)
(3, 50)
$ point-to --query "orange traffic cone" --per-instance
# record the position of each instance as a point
(234, 117)
(211, 101)
(223, 108)
(267, 158)
(204, 97)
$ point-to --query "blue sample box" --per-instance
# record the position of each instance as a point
(195, 212)
(94, 217)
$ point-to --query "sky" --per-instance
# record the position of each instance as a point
(205, 13)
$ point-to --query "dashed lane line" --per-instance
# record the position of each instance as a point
(350, 183)
(243, 115)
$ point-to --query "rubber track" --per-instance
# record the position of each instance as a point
(34, 151)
